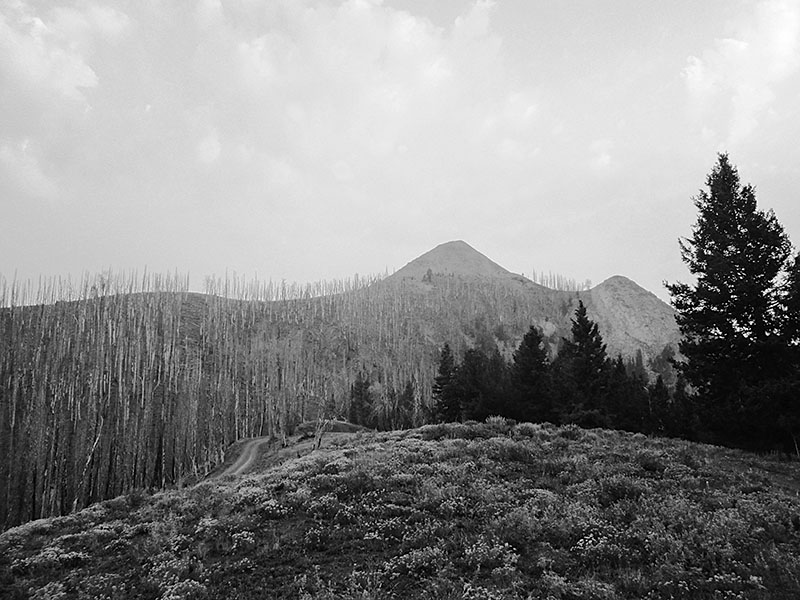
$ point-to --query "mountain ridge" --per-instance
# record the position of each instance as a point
(631, 318)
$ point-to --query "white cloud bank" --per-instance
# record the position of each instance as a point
(20, 166)
(308, 138)
(325, 119)
(739, 75)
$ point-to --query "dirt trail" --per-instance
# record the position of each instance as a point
(251, 452)
(248, 454)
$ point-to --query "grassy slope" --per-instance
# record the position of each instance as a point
(450, 511)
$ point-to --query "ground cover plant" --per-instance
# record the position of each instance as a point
(475, 510)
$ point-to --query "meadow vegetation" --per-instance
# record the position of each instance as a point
(461, 510)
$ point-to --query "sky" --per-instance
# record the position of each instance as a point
(310, 140)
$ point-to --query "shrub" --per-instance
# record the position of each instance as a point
(102, 586)
(520, 528)
(135, 498)
(604, 548)
(416, 564)
(487, 554)
(571, 432)
(527, 430)
(173, 575)
(185, 590)
(499, 424)
(477, 592)
(324, 507)
(619, 487)
(51, 591)
(506, 449)
(651, 462)
(433, 432)
(690, 457)
(553, 585)
(53, 557)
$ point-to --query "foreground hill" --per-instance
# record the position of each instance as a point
(444, 511)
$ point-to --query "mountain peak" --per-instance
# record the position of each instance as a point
(452, 258)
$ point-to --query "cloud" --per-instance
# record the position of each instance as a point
(32, 55)
(20, 164)
(208, 13)
(365, 98)
(326, 118)
(742, 74)
(476, 23)
(209, 148)
(80, 27)
(601, 160)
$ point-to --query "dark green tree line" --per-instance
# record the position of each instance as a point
(581, 385)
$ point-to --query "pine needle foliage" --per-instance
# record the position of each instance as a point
(736, 321)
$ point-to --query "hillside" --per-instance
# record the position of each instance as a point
(631, 319)
(486, 511)
(452, 258)
(138, 383)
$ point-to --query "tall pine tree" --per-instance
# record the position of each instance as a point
(530, 380)
(733, 319)
(444, 394)
(472, 385)
(360, 411)
(582, 367)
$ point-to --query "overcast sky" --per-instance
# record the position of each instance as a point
(311, 140)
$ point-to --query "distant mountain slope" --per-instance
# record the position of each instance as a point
(631, 319)
(451, 258)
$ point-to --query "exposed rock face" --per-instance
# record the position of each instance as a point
(631, 318)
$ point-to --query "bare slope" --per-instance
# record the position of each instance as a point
(452, 258)
(631, 319)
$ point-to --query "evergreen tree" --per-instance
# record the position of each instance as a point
(405, 407)
(582, 366)
(530, 380)
(663, 366)
(360, 401)
(624, 399)
(682, 418)
(791, 305)
(733, 319)
(444, 393)
(636, 367)
(471, 387)
(496, 385)
(660, 407)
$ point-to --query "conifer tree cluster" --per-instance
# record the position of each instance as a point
(365, 407)
(582, 385)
